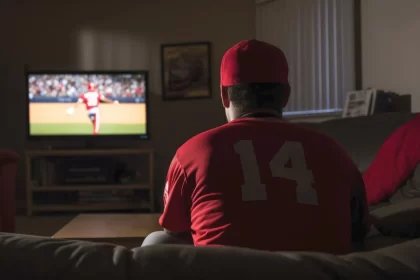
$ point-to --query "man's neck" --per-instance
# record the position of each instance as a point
(259, 113)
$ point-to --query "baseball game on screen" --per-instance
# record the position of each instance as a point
(87, 104)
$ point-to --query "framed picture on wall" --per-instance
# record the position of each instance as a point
(186, 71)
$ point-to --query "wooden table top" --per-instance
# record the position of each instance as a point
(92, 226)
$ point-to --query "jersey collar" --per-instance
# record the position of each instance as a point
(262, 114)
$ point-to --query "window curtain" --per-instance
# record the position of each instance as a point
(317, 37)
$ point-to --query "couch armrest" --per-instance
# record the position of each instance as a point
(8, 172)
(8, 156)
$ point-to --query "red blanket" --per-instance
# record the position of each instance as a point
(394, 162)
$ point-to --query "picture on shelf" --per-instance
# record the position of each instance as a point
(186, 71)
(359, 103)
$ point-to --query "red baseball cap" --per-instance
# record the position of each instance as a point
(253, 61)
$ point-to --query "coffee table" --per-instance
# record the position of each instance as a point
(127, 230)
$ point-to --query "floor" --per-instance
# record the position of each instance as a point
(41, 225)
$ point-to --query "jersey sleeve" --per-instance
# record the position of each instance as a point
(360, 218)
(176, 199)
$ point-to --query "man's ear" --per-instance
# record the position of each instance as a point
(224, 96)
(286, 95)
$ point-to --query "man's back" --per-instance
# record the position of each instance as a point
(267, 184)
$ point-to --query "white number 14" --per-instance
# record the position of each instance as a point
(253, 189)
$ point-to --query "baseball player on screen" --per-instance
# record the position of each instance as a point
(92, 98)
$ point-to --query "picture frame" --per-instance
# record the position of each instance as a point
(186, 71)
(359, 103)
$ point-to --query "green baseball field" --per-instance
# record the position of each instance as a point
(52, 119)
(85, 129)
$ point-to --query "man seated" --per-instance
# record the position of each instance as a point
(259, 181)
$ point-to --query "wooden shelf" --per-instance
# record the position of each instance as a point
(90, 188)
(44, 184)
(90, 207)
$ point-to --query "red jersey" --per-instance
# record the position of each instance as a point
(265, 184)
(395, 161)
(91, 99)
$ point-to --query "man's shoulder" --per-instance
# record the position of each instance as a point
(334, 152)
(323, 143)
(309, 135)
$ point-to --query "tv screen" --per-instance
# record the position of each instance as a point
(87, 104)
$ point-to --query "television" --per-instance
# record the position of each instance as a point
(87, 104)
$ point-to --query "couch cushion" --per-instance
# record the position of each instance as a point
(398, 262)
(409, 189)
(400, 219)
(226, 263)
(176, 262)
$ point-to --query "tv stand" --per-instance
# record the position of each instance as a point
(90, 144)
(50, 189)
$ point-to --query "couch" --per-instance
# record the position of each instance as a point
(36, 258)
(30, 257)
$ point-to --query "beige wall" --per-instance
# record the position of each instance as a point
(110, 34)
(390, 46)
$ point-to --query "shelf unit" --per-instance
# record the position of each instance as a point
(143, 203)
